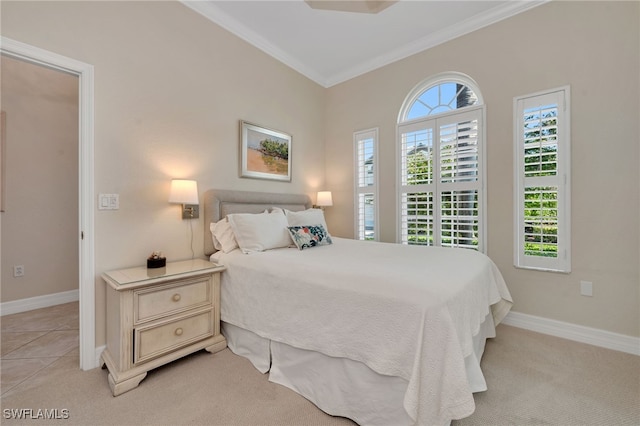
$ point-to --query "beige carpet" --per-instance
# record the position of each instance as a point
(533, 380)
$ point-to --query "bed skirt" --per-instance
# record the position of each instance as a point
(340, 386)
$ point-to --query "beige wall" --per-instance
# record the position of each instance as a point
(40, 222)
(594, 48)
(170, 90)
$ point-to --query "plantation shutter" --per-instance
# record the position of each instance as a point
(459, 187)
(417, 183)
(542, 181)
(441, 180)
(366, 184)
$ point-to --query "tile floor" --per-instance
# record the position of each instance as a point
(35, 342)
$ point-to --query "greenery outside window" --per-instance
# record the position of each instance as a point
(542, 176)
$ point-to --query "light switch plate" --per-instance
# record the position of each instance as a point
(108, 201)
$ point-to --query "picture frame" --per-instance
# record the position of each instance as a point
(264, 153)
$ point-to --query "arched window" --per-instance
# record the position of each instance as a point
(439, 94)
(441, 171)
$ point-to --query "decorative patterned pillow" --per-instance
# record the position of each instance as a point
(309, 236)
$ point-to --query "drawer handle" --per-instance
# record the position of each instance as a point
(178, 332)
(176, 297)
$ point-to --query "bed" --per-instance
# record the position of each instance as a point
(381, 333)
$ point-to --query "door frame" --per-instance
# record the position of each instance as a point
(86, 267)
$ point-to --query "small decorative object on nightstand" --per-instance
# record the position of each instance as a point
(156, 260)
(154, 318)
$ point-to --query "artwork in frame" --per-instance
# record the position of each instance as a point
(264, 153)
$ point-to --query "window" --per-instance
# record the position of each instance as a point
(366, 180)
(441, 170)
(542, 175)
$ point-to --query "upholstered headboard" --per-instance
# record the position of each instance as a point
(220, 202)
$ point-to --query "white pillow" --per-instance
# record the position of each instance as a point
(222, 234)
(259, 232)
(276, 210)
(306, 218)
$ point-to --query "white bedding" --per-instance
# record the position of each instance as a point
(403, 311)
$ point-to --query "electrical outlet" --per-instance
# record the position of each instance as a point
(586, 288)
(18, 270)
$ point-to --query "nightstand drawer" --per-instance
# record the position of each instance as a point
(163, 301)
(156, 340)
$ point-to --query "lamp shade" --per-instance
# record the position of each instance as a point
(324, 198)
(184, 192)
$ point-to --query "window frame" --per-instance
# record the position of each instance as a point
(562, 180)
(404, 125)
(358, 137)
(423, 86)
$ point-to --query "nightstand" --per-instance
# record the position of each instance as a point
(155, 316)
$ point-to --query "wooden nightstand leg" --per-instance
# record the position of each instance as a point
(125, 385)
(218, 346)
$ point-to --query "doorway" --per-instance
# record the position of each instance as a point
(83, 208)
(40, 108)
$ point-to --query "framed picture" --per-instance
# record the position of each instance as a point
(264, 153)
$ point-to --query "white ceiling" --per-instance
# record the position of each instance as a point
(331, 46)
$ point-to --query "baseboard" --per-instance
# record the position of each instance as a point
(31, 303)
(99, 350)
(578, 333)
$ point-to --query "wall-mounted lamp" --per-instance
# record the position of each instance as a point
(185, 192)
(323, 199)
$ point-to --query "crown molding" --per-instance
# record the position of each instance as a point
(209, 10)
(479, 21)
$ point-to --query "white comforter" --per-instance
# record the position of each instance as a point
(402, 310)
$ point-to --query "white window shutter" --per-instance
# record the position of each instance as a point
(366, 184)
(542, 177)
